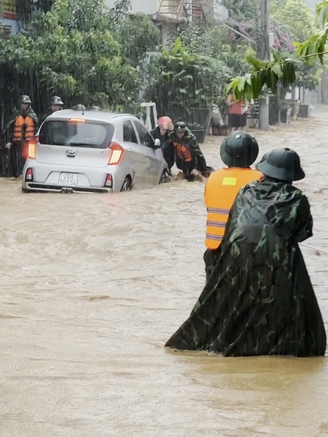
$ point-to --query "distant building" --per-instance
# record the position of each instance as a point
(171, 13)
(8, 18)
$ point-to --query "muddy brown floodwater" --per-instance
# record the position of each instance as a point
(93, 285)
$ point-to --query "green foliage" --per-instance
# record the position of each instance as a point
(136, 36)
(288, 69)
(263, 74)
(243, 11)
(294, 18)
(184, 80)
(80, 51)
(218, 43)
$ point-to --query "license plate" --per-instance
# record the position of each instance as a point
(68, 179)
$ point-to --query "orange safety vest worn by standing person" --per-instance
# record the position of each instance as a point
(238, 151)
(220, 193)
(24, 128)
(19, 131)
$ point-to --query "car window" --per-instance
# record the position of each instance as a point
(145, 138)
(76, 134)
(129, 134)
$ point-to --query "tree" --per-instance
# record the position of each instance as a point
(226, 51)
(185, 84)
(77, 50)
(284, 67)
(288, 30)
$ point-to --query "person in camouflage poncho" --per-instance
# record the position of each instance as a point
(259, 299)
(183, 149)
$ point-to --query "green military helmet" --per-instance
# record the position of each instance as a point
(264, 158)
(180, 126)
(283, 165)
(56, 100)
(239, 149)
(25, 99)
(79, 107)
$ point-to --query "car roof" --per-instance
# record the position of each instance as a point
(89, 115)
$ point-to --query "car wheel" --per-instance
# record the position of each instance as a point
(127, 184)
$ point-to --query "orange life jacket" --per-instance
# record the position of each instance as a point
(24, 128)
(221, 190)
(183, 152)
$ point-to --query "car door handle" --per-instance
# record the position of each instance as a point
(146, 154)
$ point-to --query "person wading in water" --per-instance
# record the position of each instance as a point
(259, 299)
(238, 151)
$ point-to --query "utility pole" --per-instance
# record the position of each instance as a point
(264, 51)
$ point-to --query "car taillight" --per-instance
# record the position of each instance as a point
(29, 175)
(116, 153)
(109, 181)
(31, 152)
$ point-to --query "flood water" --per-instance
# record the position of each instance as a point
(93, 285)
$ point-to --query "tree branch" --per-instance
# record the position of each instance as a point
(314, 54)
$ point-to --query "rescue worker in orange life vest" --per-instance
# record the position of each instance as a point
(238, 151)
(18, 132)
(182, 149)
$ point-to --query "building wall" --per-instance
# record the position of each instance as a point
(148, 7)
(8, 23)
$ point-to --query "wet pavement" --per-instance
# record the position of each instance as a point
(93, 285)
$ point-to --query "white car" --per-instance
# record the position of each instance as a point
(93, 151)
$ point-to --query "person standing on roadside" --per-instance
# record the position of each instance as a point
(56, 104)
(237, 117)
(18, 132)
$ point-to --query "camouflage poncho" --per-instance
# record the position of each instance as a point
(259, 299)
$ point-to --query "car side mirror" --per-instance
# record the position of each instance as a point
(157, 143)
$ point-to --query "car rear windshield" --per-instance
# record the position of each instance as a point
(74, 133)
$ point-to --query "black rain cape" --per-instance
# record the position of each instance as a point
(259, 299)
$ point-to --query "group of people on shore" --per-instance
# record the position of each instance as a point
(258, 298)
(20, 129)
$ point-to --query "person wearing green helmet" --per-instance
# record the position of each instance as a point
(238, 152)
(264, 158)
(259, 299)
(56, 104)
(18, 132)
(183, 149)
(79, 107)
